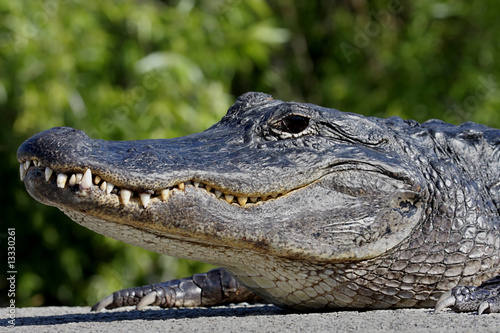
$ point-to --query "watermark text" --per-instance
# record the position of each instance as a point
(11, 275)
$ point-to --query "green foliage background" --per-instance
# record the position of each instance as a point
(122, 70)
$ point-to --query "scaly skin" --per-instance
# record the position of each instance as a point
(306, 207)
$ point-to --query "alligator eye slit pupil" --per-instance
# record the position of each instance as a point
(294, 124)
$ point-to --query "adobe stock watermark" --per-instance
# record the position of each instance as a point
(364, 35)
(31, 26)
(486, 87)
(11, 276)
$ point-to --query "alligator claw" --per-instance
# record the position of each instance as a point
(447, 300)
(491, 305)
(483, 307)
(149, 299)
(108, 300)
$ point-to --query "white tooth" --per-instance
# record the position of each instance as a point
(103, 186)
(274, 195)
(253, 199)
(242, 200)
(72, 180)
(86, 180)
(79, 177)
(27, 164)
(61, 180)
(164, 194)
(229, 198)
(22, 171)
(109, 188)
(97, 180)
(36, 163)
(48, 173)
(218, 193)
(181, 186)
(145, 199)
(208, 188)
(125, 195)
(196, 184)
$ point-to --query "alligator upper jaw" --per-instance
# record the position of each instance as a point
(141, 172)
(151, 166)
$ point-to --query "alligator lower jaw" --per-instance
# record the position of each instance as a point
(87, 180)
(154, 241)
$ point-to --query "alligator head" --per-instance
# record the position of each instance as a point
(278, 179)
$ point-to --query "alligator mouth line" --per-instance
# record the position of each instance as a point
(88, 180)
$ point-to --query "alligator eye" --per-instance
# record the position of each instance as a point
(293, 124)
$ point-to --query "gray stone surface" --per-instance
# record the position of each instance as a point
(251, 318)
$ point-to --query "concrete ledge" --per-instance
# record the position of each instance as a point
(241, 318)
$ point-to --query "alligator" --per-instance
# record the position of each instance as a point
(301, 206)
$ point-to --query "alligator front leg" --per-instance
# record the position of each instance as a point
(483, 299)
(216, 287)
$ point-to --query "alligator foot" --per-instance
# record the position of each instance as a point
(216, 287)
(483, 299)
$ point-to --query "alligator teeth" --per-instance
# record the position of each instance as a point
(109, 188)
(48, 173)
(229, 198)
(72, 180)
(145, 197)
(164, 194)
(242, 200)
(86, 180)
(22, 172)
(61, 180)
(125, 195)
